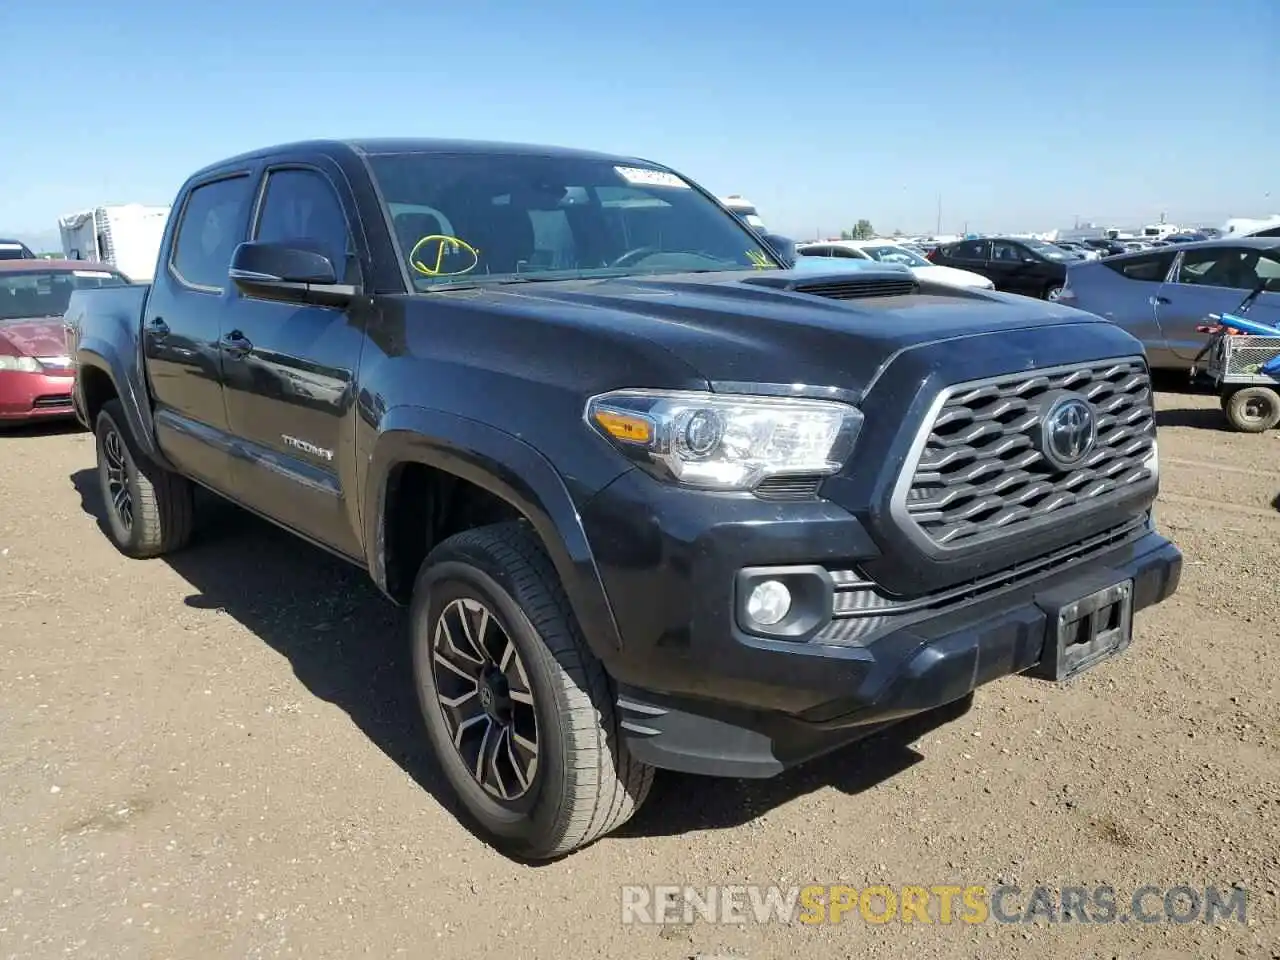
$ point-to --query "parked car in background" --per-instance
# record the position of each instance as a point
(35, 372)
(881, 251)
(15, 250)
(1032, 268)
(1162, 295)
(1105, 247)
(1082, 251)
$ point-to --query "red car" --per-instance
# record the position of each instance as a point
(35, 372)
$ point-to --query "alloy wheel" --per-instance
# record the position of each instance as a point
(484, 694)
(116, 463)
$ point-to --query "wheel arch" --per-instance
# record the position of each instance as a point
(503, 467)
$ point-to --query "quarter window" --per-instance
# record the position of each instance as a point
(212, 225)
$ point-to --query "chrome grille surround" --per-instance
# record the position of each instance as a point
(975, 474)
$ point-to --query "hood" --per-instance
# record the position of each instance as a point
(951, 275)
(747, 330)
(35, 336)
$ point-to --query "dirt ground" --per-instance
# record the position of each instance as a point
(218, 754)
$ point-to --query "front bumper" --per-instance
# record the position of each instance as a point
(699, 694)
(35, 396)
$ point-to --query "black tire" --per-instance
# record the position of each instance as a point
(1053, 291)
(583, 783)
(149, 509)
(1253, 409)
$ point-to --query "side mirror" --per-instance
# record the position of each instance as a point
(784, 247)
(290, 273)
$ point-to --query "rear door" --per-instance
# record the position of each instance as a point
(972, 255)
(1212, 280)
(290, 368)
(182, 325)
(1124, 291)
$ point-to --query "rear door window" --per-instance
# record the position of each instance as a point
(213, 224)
(1152, 268)
(970, 250)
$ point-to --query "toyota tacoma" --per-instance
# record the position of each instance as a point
(652, 499)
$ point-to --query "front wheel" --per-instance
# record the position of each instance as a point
(1053, 291)
(518, 710)
(149, 509)
(1252, 409)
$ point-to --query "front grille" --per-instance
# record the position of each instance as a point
(789, 488)
(980, 473)
(51, 401)
(855, 289)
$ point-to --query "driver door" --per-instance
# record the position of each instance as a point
(1214, 280)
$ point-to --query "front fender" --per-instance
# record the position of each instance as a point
(509, 468)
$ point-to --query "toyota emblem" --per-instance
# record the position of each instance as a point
(1068, 432)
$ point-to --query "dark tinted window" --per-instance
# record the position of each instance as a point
(968, 250)
(477, 217)
(14, 250)
(45, 293)
(1004, 250)
(301, 208)
(1151, 268)
(212, 226)
(1269, 232)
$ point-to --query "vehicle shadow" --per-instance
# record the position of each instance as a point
(349, 646)
(40, 428)
(1198, 418)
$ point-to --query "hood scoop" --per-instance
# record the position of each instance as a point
(843, 286)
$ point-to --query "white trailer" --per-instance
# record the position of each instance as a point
(127, 236)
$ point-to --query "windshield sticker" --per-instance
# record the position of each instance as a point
(650, 178)
(759, 260)
(440, 255)
(93, 274)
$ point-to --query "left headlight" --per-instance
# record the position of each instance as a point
(20, 364)
(726, 442)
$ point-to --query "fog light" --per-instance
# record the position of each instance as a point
(769, 602)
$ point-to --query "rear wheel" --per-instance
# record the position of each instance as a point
(1252, 409)
(519, 712)
(149, 509)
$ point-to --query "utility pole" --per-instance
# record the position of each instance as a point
(938, 228)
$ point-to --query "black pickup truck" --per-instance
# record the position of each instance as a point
(653, 499)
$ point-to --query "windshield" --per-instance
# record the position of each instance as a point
(892, 253)
(478, 218)
(46, 293)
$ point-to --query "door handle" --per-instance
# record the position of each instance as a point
(158, 327)
(235, 344)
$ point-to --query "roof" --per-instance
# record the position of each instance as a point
(375, 146)
(53, 266)
(1254, 243)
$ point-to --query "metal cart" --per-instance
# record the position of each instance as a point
(1250, 398)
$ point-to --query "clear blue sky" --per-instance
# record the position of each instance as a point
(1022, 114)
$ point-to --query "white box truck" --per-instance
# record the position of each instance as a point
(127, 236)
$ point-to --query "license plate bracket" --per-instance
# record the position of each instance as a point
(1085, 631)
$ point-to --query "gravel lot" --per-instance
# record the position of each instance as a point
(219, 754)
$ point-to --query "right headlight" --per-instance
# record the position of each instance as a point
(19, 364)
(725, 441)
